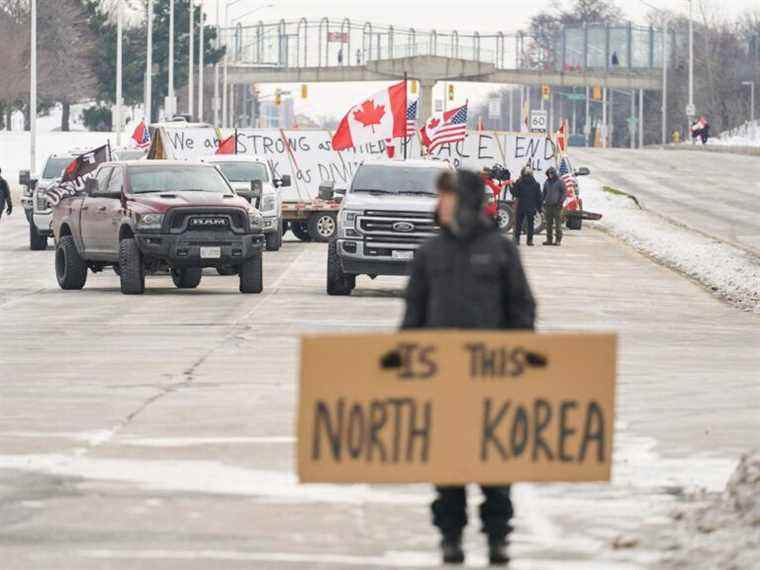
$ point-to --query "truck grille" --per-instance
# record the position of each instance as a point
(181, 220)
(410, 228)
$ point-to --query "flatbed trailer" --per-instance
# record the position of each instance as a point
(311, 220)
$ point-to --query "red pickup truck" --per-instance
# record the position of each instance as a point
(147, 216)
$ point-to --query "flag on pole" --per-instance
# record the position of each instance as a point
(141, 135)
(227, 146)
(75, 174)
(525, 126)
(445, 127)
(379, 117)
(562, 137)
(411, 118)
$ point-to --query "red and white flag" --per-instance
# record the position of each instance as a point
(227, 146)
(562, 137)
(141, 135)
(446, 127)
(379, 117)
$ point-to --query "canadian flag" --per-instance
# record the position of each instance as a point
(227, 146)
(379, 117)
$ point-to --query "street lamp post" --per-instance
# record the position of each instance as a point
(149, 65)
(33, 92)
(169, 104)
(201, 63)
(119, 30)
(216, 65)
(665, 65)
(691, 109)
(190, 41)
(751, 85)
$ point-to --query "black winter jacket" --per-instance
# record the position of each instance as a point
(554, 192)
(5, 194)
(474, 282)
(527, 192)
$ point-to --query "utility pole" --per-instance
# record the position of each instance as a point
(119, 30)
(641, 118)
(201, 64)
(216, 65)
(149, 66)
(691, 109)
(665, 65)
(751, 85)
(33, 92)
(169, 106)
(190, 63)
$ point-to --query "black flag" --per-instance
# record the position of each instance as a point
(79, 170)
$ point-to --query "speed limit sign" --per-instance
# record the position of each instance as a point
(539, 121)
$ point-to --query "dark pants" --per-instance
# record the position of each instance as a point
(450, 511)
(524, 218)
(553, 219)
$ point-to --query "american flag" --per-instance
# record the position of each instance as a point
(446, 127)
(411, 118)
(567, 175)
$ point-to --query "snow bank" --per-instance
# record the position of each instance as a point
(736, 278)
(746, 135)
(720, 530)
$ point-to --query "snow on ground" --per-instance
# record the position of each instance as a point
(746, 135)
(709, 522)
(730, 272)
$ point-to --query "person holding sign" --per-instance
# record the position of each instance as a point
(468, 277)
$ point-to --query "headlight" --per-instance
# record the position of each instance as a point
(256, 220)
(348, 223)
(349, 217)
(268, 203)
(150, 221)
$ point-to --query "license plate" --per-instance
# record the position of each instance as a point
(403, 255)
(211, 252)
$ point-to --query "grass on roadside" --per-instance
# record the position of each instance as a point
(616, 192)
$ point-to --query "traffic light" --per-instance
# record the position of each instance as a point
(304, 91)
(597, 95)
(277, 98)
(414, 87)
(547, 92)
(451, 92)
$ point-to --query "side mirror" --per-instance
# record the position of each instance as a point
(285, 181)
(24, 178)
(257, 188)
(583, 171)
(327, 190)
(90, 186)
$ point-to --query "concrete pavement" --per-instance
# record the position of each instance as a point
(157, 431)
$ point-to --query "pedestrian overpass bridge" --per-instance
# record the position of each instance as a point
(305, 51)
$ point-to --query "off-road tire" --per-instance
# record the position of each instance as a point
(300, 230)
(37, 241)
(338, 283)
(131, 269)
(274, 239)
(284, 227)
(539, 223)
(70, 268)
(187, 277)
(323, 227)
(574, 222)
(505, 217)
(252, 275)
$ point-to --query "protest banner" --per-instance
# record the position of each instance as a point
(454, 407)
(308, 157)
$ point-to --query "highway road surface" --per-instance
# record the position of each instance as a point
(158, 431)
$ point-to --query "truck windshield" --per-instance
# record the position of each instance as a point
(187, 178)
(54, 166)
(395, 179)
(244, 171)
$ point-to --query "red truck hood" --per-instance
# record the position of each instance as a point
(161, 202)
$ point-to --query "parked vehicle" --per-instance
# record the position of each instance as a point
(36, 208)
(385, 216)
(148, 216)
(246, 172)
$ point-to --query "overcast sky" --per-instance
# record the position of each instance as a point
(464, 15)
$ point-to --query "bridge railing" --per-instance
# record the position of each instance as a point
(325, 43)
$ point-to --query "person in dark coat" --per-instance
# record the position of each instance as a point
(553, 198)
(528, 200)
(5, 196)
(468, 277)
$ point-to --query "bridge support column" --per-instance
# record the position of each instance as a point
(426, 96)
(641, 118)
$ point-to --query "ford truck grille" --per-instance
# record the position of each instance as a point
(390, 227)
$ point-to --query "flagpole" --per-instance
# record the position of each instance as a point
(236, 140)
(406, 103)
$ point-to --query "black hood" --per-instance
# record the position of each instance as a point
(469, 219)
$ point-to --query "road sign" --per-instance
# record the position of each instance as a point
(691, 110)
(539, 121)
(494, 108)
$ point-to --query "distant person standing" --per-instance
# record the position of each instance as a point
(527, 193)
(705, 133)
(615, 59)
(5, 196)
(340, 56)
(553, 199)
(469, 276)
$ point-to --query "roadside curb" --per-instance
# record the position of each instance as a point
(744, 150)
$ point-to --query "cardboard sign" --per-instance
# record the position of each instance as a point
(458, 407)
(307, 155)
